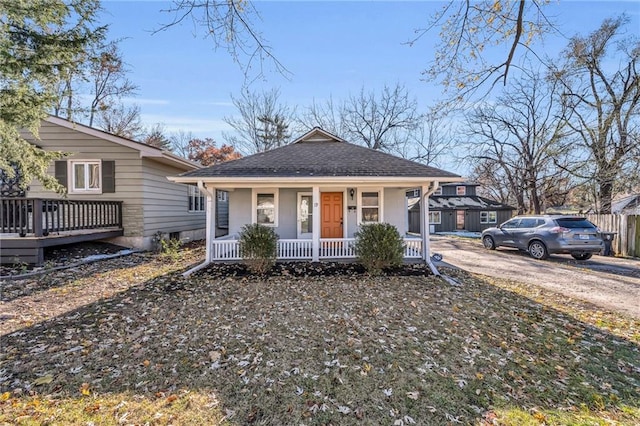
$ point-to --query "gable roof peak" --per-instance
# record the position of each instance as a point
(318, 134)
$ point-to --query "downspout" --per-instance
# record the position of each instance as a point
(424, 200)
(208, 254)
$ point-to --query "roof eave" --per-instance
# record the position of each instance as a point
(146, 151)
(248, 182)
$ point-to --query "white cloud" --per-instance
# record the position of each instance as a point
(143, 101)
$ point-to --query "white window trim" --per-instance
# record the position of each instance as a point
(464, 190)
(222, 196)
(196, 193)
(71, 189)
(380, 192)
(433, 212)
(487, 213)
(254, 204)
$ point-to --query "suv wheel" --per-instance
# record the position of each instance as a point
(581, 256)
(538, 250)
(488, 243)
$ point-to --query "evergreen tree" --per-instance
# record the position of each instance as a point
(40, 41)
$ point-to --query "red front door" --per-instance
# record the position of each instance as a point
(331, 215)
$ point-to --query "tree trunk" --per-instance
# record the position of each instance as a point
(606, 192)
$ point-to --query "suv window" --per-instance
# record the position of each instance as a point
(528, 223)
(577, 222)
(511, 224)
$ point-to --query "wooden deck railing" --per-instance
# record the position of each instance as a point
(40, 216)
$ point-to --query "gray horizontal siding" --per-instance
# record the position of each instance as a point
(166, 203)
(82, 146)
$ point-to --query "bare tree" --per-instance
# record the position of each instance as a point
(107, 77)
(430, 141)
(263, 121)
(156, 136)
(471, 30)
(67, 104)
(229, 23)
(180, 142)
(122, 121)
(384, 121)
(521, 134)
(603, 100)
(328, 116)
(495, 182)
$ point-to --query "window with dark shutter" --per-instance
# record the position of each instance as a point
(108, 176)
(61, 173)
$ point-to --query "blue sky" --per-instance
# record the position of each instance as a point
(331, 48)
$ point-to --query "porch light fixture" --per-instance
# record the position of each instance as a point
(351, 192)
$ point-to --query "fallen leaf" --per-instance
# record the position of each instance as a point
(44, 380)
(413, 395)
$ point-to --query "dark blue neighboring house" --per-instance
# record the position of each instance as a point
(456, 207)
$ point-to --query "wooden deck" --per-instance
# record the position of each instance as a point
(28, 225)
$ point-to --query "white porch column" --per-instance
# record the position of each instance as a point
(210, 209)
(315, 234)
(424, 222)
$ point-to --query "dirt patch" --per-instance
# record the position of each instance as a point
(58, 256)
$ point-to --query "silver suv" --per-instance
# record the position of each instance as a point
(542, 235)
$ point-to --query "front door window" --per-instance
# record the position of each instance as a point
(305, 215)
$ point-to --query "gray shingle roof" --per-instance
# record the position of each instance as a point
(467, 202)
(310, 157)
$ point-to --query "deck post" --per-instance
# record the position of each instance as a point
(315, 234)
(37, 217)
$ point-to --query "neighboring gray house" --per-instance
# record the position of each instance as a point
(315, 193)
(456, 207)
(117, 190)
(629, 205)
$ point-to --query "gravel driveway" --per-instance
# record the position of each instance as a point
(611, 283)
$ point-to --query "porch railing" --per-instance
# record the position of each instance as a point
(337, 248)
(295, 249)
(412, 248)
(40, 216)
(288, 249)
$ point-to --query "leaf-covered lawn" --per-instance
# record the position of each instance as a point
(313, 350)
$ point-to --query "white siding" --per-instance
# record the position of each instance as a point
(394, 208)
(288, 218)
(239, 210)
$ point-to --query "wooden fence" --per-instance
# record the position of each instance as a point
(626, 241)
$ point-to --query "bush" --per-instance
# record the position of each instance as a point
(379, 246)
(258, 247)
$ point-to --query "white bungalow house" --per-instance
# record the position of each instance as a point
(315, 192)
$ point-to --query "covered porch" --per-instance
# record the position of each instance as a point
(313, 222)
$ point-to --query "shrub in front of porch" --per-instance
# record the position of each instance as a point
(258, 247)
(379, 246)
